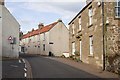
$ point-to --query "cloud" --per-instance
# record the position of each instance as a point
(66, 9)
(29, 14)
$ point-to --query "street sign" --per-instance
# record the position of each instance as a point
(10, 38)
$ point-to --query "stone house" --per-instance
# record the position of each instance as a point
(95, 33)
(52, 40)
(9, 33)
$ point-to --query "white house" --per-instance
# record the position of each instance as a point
(52, 40)
(9, 33)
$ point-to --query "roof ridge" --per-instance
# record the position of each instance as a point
(37, 31)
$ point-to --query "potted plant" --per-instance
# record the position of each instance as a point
(77, 56)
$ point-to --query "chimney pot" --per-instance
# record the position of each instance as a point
(1, 2)
(59, 20)
(41, 25)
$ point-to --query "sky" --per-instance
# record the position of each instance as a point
(29, 13)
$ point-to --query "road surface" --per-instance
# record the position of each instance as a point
(43, 67)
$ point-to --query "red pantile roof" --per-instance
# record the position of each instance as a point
(39, 31)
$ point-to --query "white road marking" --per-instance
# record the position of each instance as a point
(25, 66)
(20, 61)
(25, 74)
(23, 60)
(25, 69)
(13, 65)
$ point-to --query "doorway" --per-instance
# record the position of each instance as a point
(80, 50)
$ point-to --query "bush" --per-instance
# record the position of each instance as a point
(77, 53)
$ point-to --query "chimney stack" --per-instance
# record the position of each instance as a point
(1, 2)
(41, 25)
(59, 20)
(33, 29)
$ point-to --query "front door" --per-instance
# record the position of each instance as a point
(80, 50)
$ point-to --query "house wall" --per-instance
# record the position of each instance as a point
(111, 33)
(10, 27)
(0, 30)
(94, 30)
(59, 36)
(46, 42)
(32, 45)
(55, 35)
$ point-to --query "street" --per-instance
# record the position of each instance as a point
(43, 67)
(11, 68)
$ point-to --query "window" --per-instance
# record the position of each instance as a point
(117, 9)
(43, 47)
(43, 36)
(29, 40)
(73, 48)
(80, 23)
(38, 46)
(73, 28)
(91, 45)
(90, 15)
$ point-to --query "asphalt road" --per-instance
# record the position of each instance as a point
(43, 67)
(12, 69)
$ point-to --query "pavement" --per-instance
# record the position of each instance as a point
(87, 68)
(13, 68)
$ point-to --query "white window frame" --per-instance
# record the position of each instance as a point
(117, 7)
(73, 48)
(80, 49)
(91, 45)
(80, 27)
(73, 28)
(90, 13)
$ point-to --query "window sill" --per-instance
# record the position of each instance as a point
(90, 25)
(91, 56)
(117, 17)
(79, 31)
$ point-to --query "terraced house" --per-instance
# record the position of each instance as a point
(52, 40)
(95, 34)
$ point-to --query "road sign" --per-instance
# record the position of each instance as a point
(10, 38)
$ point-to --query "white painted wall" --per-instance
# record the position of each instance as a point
(0, 31)
(59, 35)
(46, 42)
(10, 27)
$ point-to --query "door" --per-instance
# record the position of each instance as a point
(80, 50)
(73, 48)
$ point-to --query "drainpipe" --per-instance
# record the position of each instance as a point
(103, 35)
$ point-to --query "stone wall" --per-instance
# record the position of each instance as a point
(111, 32)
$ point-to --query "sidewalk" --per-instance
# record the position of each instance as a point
(86, 67)
(12, 68)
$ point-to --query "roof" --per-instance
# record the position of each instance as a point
(79, 13)
(39, 31)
